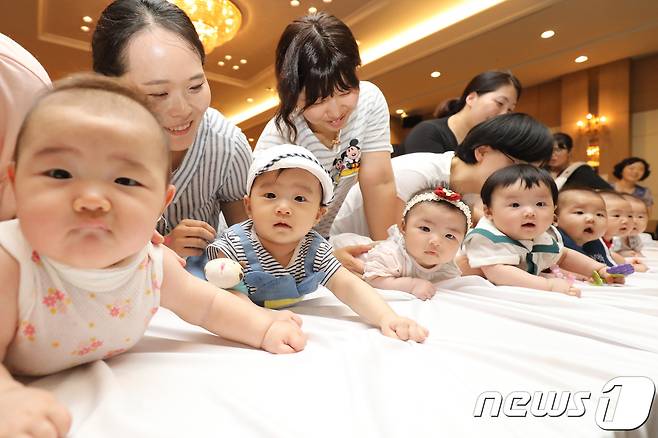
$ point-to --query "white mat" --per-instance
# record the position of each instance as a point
(351, 381)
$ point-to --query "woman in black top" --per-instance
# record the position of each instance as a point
(487, 95)
(568, 173)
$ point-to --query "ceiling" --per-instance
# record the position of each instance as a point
(401, 42)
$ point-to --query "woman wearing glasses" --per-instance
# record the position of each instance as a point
(569, 173)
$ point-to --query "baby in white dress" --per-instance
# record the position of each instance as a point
(422, 251)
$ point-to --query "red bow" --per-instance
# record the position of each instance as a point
(447, 194)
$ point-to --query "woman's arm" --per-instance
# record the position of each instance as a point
(377, 184)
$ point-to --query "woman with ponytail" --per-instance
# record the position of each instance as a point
(487, 95)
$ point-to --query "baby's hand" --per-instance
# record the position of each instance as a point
(287, 315)
(563, 286)
(404, 329)
(284, 336)
(31, 412)
(423, 289)
(608, 278)
(638, 265)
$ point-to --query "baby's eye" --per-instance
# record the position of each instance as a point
(600, 214)
(300, 198)
(157, 95)
(579, 212)
(270, 195)
(424, 229)
(123, 181)
(450, 236)
(541, 204)
(58, 174)
(616, 215)
(515, 205)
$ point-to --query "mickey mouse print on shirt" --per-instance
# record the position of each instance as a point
(348, 162)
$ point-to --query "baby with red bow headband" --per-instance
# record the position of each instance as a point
(421, 252)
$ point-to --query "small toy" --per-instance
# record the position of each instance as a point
(621, 270)
(598, 281)
(225, 274)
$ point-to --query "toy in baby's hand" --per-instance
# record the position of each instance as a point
(614, 271)
(623, 270)
(225, 274)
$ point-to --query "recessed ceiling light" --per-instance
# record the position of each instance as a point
(84, 28)
(581, 58)
(326, 1)
(243, 61)
(294, 3)
(548, 34)
(435, 74)
(87, 19)
(399, 111)
(228, 57)
(221, 63)
(312, 10)
(251, 139)
(250, 99)
(236, 67)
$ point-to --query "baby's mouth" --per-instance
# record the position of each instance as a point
(588, 230)
(528, 225)
(282, 225)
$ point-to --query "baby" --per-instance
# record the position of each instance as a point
(284, 258)
(631, 245)
(582, 221)
(515, 241)
(620, 225)
(81, 279)
(422, 251)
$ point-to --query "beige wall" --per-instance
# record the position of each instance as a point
(644, 140)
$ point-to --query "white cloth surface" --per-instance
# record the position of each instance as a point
(351, 381)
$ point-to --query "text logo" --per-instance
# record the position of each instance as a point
(624, 404)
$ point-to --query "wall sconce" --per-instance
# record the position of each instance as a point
(590, 127)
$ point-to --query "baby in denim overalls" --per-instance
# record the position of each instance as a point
(284, 258)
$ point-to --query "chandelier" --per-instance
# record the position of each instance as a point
(216, 21)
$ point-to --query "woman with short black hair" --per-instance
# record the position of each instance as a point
(629, 172)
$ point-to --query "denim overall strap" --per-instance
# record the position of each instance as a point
(247, 246)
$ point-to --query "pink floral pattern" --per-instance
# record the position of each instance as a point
(120, 308)
(84, 348)
(28, 330)
(36, 258)
(56, 301)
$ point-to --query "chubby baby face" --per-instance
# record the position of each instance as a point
(433, 232)
(582, 215)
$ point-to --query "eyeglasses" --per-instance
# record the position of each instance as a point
(515, 160)
(559, 148)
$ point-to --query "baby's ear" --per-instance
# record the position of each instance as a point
(321, 212)
(487, 212)
(247, 206)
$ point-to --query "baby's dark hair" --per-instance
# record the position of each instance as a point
(518, 135)
(507, 176)
(575, 188)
